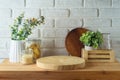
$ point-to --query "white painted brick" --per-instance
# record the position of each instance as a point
(35, 33)
(110, 13)
(97, 22)
(49, 23)
(5, 13)
(4, 53)
(116, 43)
(53, 52)
(47, 43)
(117, 52)
(55, 12)
(5, 22)
(39, 3)
(3, 42)
(4, 32)
(116, 3)
(86, 12)
(67, 23)
(61, 51)
(11, 3)
(29, 12)
(59, 42)
(61, 32)
(93, 28)
(115, 33)
(48, 32)
(115, 22)
(97, 3)
(68, 3)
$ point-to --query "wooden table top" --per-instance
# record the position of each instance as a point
(102, 71)
(7, 66)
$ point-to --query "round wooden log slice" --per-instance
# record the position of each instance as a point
(61, 62)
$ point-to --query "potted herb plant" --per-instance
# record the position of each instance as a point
(20, 30)
(91, 40)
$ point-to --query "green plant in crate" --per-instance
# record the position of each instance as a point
(22, 28)
(93, 39)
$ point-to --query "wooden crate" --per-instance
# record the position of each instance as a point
(98, 55)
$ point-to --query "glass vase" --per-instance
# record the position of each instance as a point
(106, 41)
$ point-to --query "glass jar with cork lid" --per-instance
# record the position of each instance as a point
(34, 44)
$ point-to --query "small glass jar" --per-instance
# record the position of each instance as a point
(34, 44)
(106, 41)
(27, 56)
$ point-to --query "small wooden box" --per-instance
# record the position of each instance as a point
(98, 55)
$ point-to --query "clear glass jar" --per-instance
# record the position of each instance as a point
(34, 44)
(27, 56)
(106, 41)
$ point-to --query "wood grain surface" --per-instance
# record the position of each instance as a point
(61, 62)
(72, 42)
(92, 71)
(98, 55)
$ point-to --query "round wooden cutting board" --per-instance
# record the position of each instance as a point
(61, 62)
(72, 42)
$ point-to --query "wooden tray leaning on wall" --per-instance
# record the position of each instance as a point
(72, 42)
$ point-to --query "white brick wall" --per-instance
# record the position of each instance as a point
(5, 13)
(69, 3)
(83, 12)
(98, 3)
(68, 22)
(60, 42)
(116, 3)
(96, 22)
(51, 52)
(39, 3)
(49, 23)
(110, 13)
(116, 22)
(5, 22)
(61, 32)
(47, 43)
(61, 16)
(4, 32)
(12, 3)
(48, 33)
(55, 12)
(29, 12)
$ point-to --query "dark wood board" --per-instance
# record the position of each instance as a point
(72, 42)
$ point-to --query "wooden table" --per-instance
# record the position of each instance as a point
(92, 71)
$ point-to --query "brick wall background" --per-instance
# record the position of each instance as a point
(61, 16)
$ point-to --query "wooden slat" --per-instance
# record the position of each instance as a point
(84, 54)
(99, 51)
(99, 56)
(112, 56)
(104, 53)
(98, 60)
